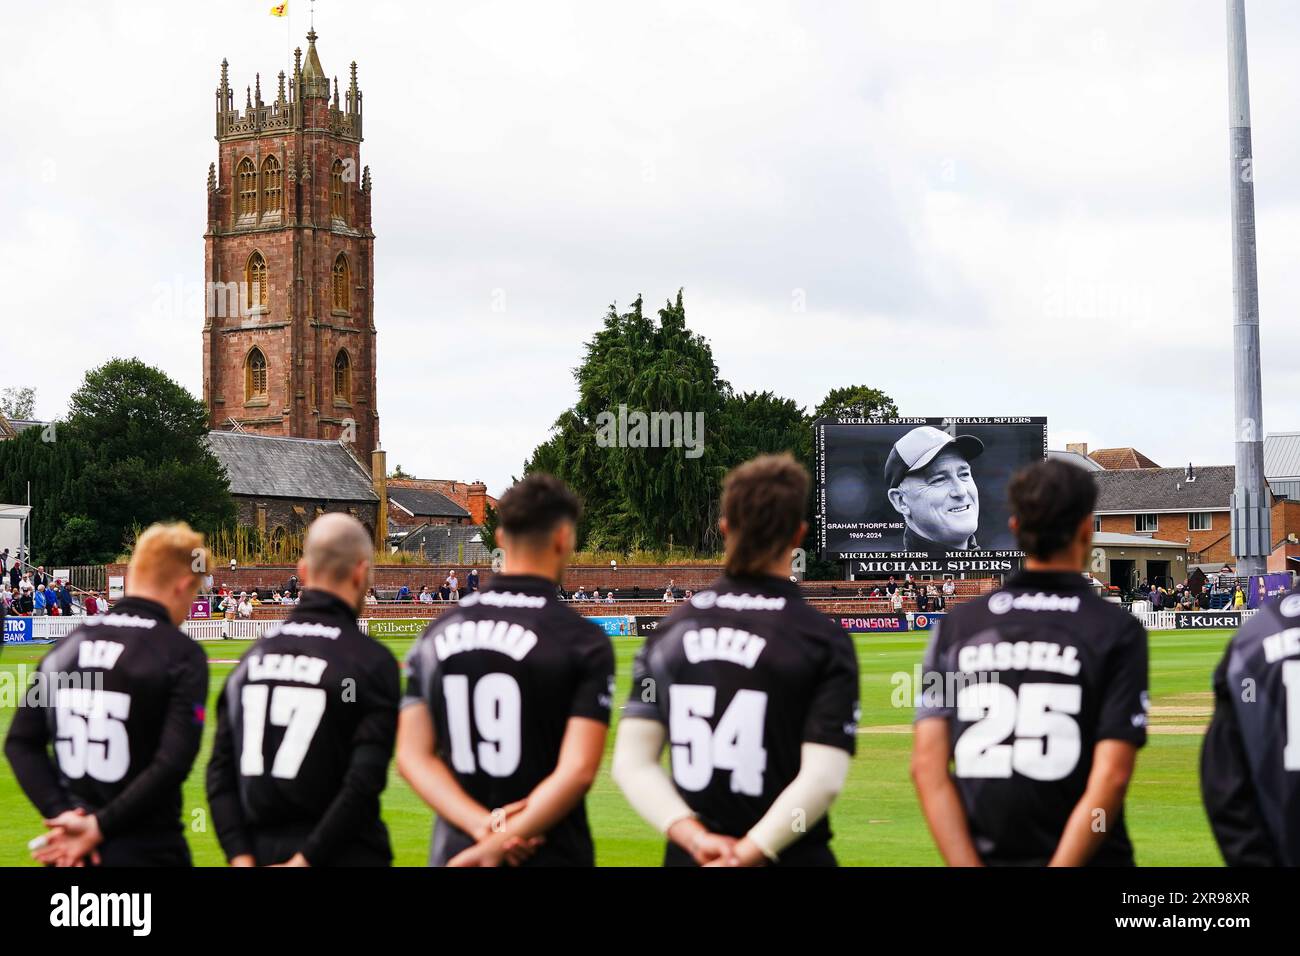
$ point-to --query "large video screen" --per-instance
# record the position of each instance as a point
(921, 495)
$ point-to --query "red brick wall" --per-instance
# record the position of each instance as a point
(1212, 546)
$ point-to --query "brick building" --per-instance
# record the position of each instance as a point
(280, 485)
(289, 333)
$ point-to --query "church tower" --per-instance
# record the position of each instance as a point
(289, 332)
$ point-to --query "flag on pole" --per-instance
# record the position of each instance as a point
(280, 10)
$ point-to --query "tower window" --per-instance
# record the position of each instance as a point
(271, 184)
(255, 279)
(255, 375)
(247, 176)
(342, 281)
(338, 200)
(342, 377)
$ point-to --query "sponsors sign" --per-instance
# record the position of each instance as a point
(869, 623)
(1194, 620)
(382, 627)
(643, 626)
(1264, 587)
(200, 610)
(921, 495)
(17, 630)
(924, 620)
(615, 626)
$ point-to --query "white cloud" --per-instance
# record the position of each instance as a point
(991, 206)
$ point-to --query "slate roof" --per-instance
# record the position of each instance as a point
(426, 504)
(1145, 490)
(1282, 455)
(1119, 458)
(261, 466)
(447, 544)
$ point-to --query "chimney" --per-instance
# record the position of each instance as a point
(476, 495)
(379, 477)
(1079, 448)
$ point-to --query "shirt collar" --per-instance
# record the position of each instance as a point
(1049, 581)
(526, 583)
(322, 602)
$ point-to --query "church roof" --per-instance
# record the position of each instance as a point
(262, 466)
(423, 503)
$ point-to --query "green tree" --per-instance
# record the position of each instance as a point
(18, 402)
(130, 452)
(637, 496)
(397, 472)
(856, 401)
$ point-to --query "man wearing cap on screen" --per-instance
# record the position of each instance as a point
(930, 484)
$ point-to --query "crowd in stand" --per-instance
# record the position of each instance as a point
(1213, 595)
(36, 593)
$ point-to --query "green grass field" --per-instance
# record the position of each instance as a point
(876, 819)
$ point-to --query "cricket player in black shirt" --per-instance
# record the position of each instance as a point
(120, 702)
(306, 722)
(1250, 763)
(755, 692)
(1036, 697)
(507, 704)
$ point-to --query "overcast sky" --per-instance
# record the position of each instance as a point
(989, 207)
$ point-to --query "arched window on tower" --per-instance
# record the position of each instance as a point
(270, 185)
(255, 375)
(255, 280)
(342, 283)
(342, 377)
(338, 199)
(246, 175)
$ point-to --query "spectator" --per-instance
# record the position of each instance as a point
(892, 587)
(609, 596)
(27, 603)
(425, 596)
(922, 600)
(403, 594)
(4, 560)
(580, 594)
(668, 595)
(371, 599)
(949, 589)
(453, 586)
(244, 608)
(38, 601)
(689, 594)
(15, 576)
(595, 594)
(471, 580)
(288, 599)
(895, 598)
(65, 599)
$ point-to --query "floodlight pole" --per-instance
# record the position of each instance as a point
(1251, 532)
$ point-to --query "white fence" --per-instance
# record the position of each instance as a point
(1164, 620)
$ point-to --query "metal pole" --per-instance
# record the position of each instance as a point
(1251, 532)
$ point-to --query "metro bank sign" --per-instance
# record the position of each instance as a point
(17, 630)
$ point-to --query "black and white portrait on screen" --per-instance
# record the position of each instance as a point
(921, 495)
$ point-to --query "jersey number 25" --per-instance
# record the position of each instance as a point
(1041, 719)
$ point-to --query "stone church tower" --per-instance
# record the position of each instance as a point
(289, 333)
